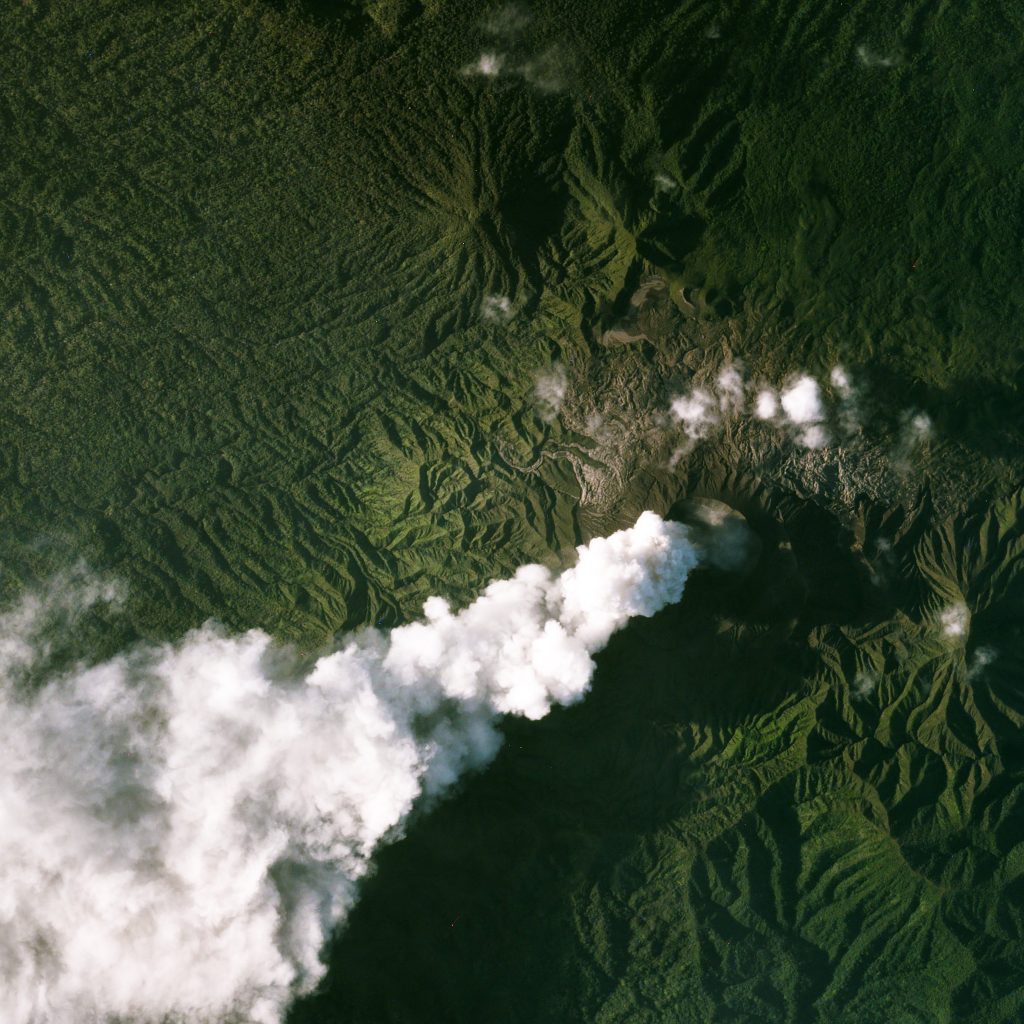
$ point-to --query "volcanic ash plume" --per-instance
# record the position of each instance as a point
(182, 826)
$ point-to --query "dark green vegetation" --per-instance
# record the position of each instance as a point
(245, 249)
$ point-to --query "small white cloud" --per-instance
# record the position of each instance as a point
(915, 433)
(603, 430)
(507, 21)
(663, 183)
(496, 308)
(869, 58)
(730, 391)
(813, 437)
(549, 392)
(801, 402)
(864, 684)
(983, 657)
(695, 411)
(954, 620)
(701, 409)
(489, 65)
(841, 381)
(766, 405)
(546, 72)
(849, 405)
(920, 427)
(678, 454)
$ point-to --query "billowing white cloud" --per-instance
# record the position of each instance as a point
(182, 826)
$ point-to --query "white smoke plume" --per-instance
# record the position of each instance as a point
(182, 826)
